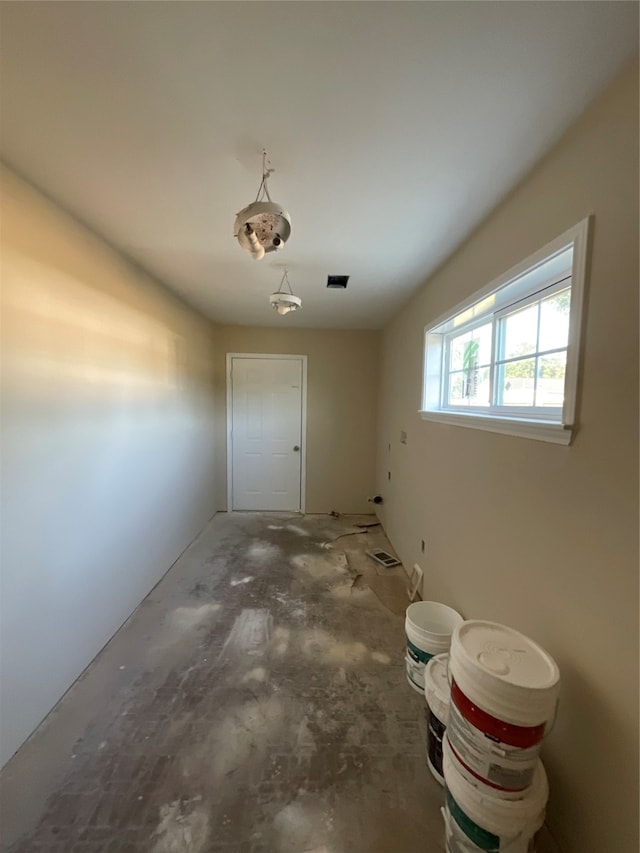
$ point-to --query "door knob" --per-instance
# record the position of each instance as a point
(296, 447)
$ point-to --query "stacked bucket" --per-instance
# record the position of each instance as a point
(504, 694)
(429, 626)
(437, 692)
(491, 695)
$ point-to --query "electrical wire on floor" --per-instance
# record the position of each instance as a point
(350, 533)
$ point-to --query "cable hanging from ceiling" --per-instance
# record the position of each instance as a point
(262, 226)
(284, 302)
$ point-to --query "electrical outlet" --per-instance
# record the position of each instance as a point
(422, 545)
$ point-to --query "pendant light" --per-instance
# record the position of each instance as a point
(262, 226)
(284, 302)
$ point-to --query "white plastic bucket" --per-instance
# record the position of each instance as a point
(504, 694)
(478, 821)
(429, 626)
(437, 693)
(473, 780)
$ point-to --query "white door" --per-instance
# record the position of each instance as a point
(266, 432)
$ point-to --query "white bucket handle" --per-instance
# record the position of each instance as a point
(448, 832)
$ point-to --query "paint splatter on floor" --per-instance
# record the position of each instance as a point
(264, 709)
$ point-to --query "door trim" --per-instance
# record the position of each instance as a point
(303, 459)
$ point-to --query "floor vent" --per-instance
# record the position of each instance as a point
(384, 559)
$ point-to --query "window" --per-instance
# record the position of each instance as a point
(507, 360)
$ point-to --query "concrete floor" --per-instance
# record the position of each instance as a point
(255, 701)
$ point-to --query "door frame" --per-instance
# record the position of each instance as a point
(303, 430)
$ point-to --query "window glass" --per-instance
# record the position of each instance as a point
(520, 332)
(516, 381)
(554, 321)
(469, 387)
(457, 350)
(550, 382)
(469, 367)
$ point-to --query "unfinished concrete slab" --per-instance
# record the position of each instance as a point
(255, 701)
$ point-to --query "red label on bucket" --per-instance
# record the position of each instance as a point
(499, 754)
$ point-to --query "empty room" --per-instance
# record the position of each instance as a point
(319, 426)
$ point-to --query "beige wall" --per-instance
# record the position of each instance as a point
(107, 447)
(539, 536)
(341, 408)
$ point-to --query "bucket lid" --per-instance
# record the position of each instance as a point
(502, 817)
(504, 673)
(437, 689)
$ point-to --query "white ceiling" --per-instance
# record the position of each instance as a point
(393, 127)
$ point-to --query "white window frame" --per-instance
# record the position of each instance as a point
(490, 304)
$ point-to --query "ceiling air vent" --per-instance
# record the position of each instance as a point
(337, 281)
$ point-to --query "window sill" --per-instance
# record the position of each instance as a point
(540, 430)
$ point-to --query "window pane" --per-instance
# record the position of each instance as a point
(550, 387)
(471, 348)
(481, 387)
(520, 331)
(554, 320)
(516, 382)
(456, 353)
(469, 387)
(483, 336)
(456, 390)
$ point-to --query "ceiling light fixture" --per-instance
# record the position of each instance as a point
(262, 226)
(284, 302)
